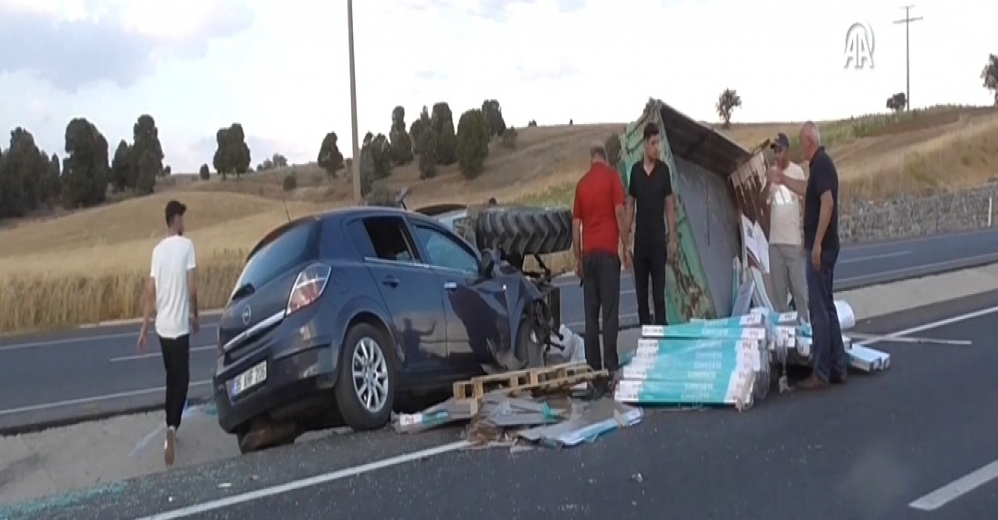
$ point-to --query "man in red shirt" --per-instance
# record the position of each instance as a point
(598, 231)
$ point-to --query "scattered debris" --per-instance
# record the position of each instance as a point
(532, 405)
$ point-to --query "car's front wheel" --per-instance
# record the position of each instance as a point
(365, 390)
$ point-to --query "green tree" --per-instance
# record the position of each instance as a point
(442, 123)
(990, 76)
(532, 123)
(53, 180)
(727, 102)
(427, 143)
(22, 173)
(204, 172)
(508, 138)
(232, 155)
(416, 129)
(420, 125)
(147, 173)
(85, 171)
(382, 155)
(122, 164)
(472, 143)
(147, 152)
(290, 182)
(493, 117)
(897, 102)
(275, 161)
(330, 158)
(401, 143)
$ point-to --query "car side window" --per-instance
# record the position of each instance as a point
(389, 239)
(444, 251)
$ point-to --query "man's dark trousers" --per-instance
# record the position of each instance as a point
(601, 291)
(176, 361)
(828, 353)
(650, 259)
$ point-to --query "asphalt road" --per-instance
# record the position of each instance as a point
(58, 378)
(916, 441)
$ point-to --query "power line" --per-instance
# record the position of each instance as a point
(907, 51)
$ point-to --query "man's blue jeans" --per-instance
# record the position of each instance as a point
(828, 353)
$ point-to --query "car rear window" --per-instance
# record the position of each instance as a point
(290, 248)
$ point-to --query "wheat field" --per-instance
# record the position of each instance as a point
(89, 266)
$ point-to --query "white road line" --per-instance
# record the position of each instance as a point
(921, 240)
(957, 488)
(929, 326)
(187, 511)
(89, 400)
(935, 265)
(157, 354)
(65, 341)
(873, 257)
(85, 339)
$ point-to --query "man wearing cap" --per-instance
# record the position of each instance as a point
(172, 294)
(821, 240)
(786, 249)
(598, 232)
(650, 203)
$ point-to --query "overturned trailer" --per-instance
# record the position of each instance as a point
(722, 270)
(701, 161)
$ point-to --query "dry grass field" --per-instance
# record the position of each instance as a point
(89, 266)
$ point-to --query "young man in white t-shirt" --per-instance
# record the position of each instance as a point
(786, 235)
(172, 294)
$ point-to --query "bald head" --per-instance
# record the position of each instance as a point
(810, 139)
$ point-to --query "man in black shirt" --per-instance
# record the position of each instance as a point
(821, 239)
(650, 189)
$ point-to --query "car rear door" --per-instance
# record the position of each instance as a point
(478, 326)
(261, 293)
(411, 291)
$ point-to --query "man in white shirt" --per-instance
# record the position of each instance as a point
(786, 250)
(172, 294)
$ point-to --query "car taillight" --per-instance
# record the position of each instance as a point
(308, 286)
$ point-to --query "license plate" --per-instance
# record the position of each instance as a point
(256, 375)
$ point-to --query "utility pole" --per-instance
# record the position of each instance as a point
(907, 52)
(353, 110)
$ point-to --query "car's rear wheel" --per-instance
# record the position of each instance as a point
(365, 390)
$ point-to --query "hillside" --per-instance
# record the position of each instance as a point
(89, 265)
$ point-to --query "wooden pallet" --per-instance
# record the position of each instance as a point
(531, 379)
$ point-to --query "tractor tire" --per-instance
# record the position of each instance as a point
(524, 230)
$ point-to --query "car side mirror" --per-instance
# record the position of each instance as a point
(489, 261)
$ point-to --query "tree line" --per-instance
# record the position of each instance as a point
(431, 140)
(31, 179)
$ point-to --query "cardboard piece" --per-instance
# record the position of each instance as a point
(599, 418)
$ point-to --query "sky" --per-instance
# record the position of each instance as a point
(281, 69)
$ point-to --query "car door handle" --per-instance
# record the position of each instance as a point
(390, 281)
(450, 286)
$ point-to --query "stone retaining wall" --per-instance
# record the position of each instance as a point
(909, 216)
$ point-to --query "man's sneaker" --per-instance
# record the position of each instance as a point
(169, 446)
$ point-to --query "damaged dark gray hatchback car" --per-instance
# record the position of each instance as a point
(338, 315)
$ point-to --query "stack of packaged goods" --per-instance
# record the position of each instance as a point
(792, 338)
(722, 362)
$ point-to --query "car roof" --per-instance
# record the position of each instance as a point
(339, 214)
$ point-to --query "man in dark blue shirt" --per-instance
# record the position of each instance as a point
(821, 239)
